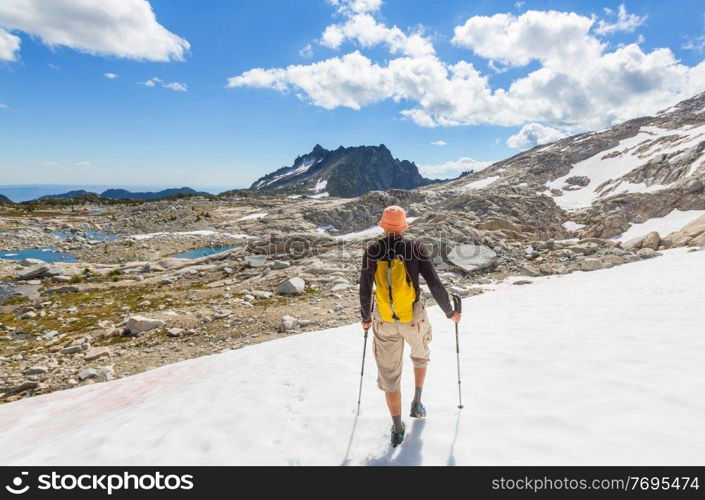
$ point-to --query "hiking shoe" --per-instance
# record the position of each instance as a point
(417, 410)
(398, 437)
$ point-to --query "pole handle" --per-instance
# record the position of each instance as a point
(457, 303)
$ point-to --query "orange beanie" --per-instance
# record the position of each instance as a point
(394, 219)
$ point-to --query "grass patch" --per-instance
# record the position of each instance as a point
(17, 299)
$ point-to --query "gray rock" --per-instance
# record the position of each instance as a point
(140, 324)
(651, 240)
(590, 265)
(256, 260)
(280, 264)
(97, 352)
(612, 260)
(472, 257)
(287, 323)
(28, 315)
(261, 294)
(87, 373)
(35, 272)
(175, 332)
(25, 386)
(647, 253)
(292, 286)
(61, 289)
(578, 180)
(72, 349)
(36, 370)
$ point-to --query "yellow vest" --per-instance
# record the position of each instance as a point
(394, 291)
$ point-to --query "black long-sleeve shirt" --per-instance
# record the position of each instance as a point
(417, 262)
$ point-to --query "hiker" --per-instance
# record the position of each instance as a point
(393, 264)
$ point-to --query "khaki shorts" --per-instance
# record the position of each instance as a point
(388, 346)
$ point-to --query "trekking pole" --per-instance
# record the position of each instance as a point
(458, 307)
(362, 371)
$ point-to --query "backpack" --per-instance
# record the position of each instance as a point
(394, 290)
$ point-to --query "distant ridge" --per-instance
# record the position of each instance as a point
(123, 194)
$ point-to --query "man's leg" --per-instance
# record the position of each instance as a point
(389, 351)
(419, 377)
(394, 405)
(418, 335)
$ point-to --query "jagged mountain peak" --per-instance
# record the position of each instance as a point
(344, 172)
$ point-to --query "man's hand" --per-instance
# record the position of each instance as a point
(455, 318)
(366, 325)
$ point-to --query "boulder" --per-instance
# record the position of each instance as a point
(175, 332)
(647, 253)
(72, 349)
(137, 325)
(88, 373)
(36, 370)
(287, 323)
(97, 352)
(292, 286)
(612, 260)
(578, 180)
(651, 240)
(692, 234)
(590, 265)
(61, 289)
(471, 257)
(256, 260)
(280, 264)
(35, 272)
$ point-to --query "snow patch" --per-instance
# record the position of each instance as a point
(563, 380)
(612, 164)
(673, 221)
(480, 184)
(320, 185)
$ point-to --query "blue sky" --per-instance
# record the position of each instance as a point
(487, 78)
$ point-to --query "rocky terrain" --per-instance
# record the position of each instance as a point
(102, 294)
(344, 172)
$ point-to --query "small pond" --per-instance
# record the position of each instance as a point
(91, 235)
(45, 254)
(201, 252)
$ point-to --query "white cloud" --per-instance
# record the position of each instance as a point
(352, 81)
(625, 22)
(439, 143)
(307, 51)
(154, 81)
(177, 86)
(367, 32)
(696, 44)
(111, 76)
(3, 105)
(356, 6)
(50, 164)
(453, 168)
(83, 164)
(53, 66)
(120, 28)
(9, 45)
(534, 134)
(554, 38)
(580, 83)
